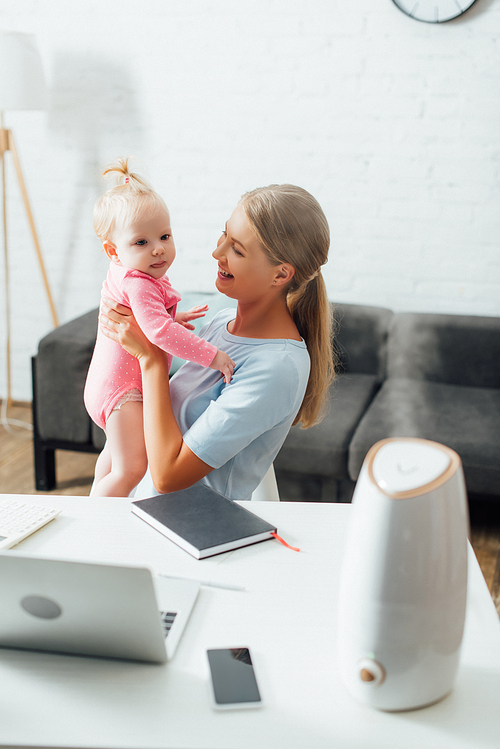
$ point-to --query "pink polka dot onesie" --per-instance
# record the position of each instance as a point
(113, 372)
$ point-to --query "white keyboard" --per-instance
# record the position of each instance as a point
(20, 519)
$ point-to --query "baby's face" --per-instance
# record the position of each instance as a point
(146, 244)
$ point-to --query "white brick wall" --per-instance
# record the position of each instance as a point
(392, 124)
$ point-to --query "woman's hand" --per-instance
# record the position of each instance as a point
(118, 323)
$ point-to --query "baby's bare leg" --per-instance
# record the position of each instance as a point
(127, 452)
(102, 467)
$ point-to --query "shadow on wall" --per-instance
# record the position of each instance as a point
(92, 104)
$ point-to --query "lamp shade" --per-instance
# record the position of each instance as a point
(22, 83)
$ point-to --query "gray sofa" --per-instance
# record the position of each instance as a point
(443, 384)
(401, 375)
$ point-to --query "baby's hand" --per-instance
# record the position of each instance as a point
(224, 364)
(194, 313)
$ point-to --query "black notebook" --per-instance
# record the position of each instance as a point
(202, 521)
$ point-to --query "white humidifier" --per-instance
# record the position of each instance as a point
(404, 576)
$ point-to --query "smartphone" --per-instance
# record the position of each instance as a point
(233, 680)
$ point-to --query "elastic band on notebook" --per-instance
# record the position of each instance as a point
(278, 538)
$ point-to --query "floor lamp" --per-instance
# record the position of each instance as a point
(22, 86)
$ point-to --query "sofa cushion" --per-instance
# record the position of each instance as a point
(61, 369)
(453, 349)
(467, 419)
(323, 449)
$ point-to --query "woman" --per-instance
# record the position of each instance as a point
(197, 427)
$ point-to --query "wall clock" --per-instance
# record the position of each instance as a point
(434, 11)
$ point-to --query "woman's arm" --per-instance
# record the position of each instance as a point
(172, 464)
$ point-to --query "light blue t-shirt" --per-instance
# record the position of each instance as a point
(239, 428)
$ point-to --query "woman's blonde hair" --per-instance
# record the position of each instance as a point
(292, 228)
(130, 197)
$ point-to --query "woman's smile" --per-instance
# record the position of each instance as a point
(224, 274)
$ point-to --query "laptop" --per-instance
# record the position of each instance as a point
(95, 609)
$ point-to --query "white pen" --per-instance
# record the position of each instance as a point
(209, 583)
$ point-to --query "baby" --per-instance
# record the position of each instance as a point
(133, 223)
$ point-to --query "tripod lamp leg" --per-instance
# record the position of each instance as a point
(12, 148)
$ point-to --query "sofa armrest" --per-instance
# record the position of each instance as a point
(61, 369)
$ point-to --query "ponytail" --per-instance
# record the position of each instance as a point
(130, 196)
(126, 181)
(292, 228)
(311, 312)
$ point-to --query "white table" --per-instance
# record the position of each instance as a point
(286, 616)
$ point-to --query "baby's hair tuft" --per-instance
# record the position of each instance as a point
(129, 197)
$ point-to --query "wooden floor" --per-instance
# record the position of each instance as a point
(75, 472)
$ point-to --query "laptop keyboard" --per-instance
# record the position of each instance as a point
(167, 619)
